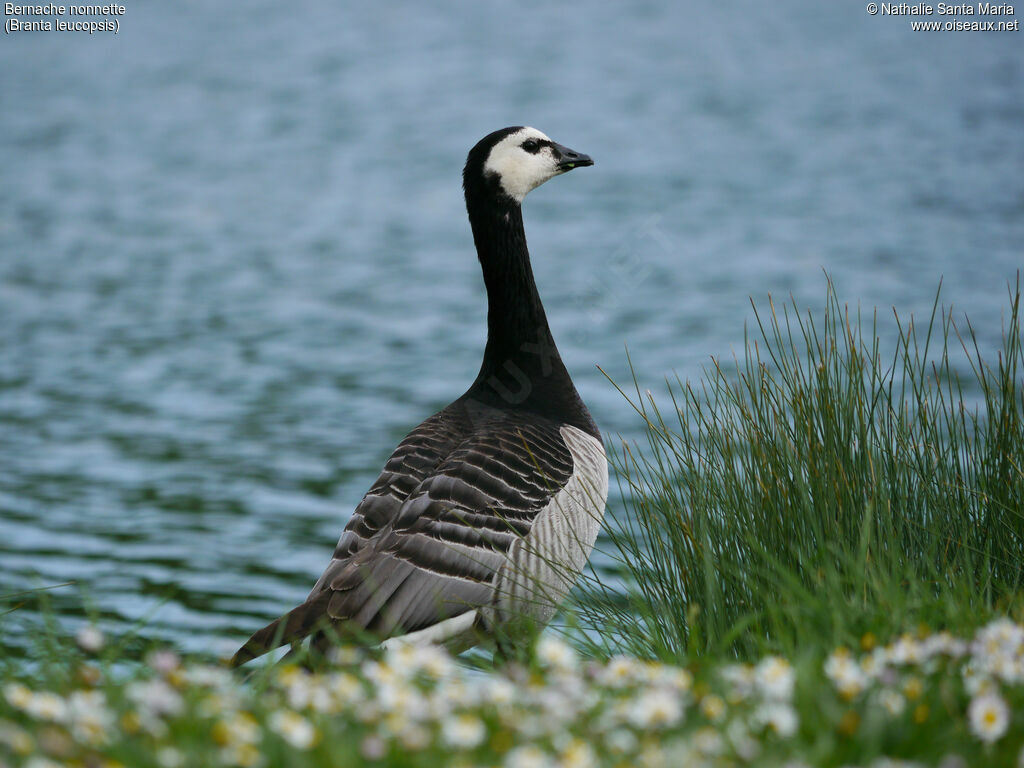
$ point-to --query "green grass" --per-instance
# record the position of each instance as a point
(816, 490)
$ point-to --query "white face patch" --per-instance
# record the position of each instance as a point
(520, 171)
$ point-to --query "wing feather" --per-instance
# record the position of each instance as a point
(426, 541)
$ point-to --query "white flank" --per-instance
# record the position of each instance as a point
(456, 634)
(543, 566)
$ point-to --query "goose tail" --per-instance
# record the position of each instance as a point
(295, 625)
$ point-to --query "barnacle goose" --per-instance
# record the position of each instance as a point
(486, 512)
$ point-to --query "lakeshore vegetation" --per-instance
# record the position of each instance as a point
(818, 562)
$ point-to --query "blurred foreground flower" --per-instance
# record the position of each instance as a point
(418, 705)
(90, 638)
(293, 728)
(988, 716)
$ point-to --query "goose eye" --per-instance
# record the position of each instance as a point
(531, 145)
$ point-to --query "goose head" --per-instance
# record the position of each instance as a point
(511, 162)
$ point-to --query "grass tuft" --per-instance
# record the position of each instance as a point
(818, 490)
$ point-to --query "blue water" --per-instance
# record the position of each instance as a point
(235, 267)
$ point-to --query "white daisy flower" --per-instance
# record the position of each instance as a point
(906, 650)
(380, 672)
(708, 741)
(741, 679)
(41, 762)
(242, 755)
(654, 755)
(17, 695)
(655, 708)
(891, 701)
(239, 728)
(620, 741)
(435, 662)
(529, 726)
(320, 698)
(293, 728)
(155, 698)
(373, 747)
(778, 716)
(403, 699)
(578, 754)
(415, 738)
(975, 680)
(498, 690)
(89, 638)
(873, 664)
(392, 724)
(346, 688)
(88, 717)
(988, 716)
(556, 654)
(678, 678)
(1007, 667)
(620, 672)
(345, 655)
(463, 731)
(529, 756)
(209, 676)
(46, 706)
(774, 678)
(745, 746)
(999, 634)
(15, 738)
(945, 644)
(845, 673)
(453, 693)
(163, 661)
(409, 659)
(712, 707)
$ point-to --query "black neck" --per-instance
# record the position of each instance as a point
(521, 366)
